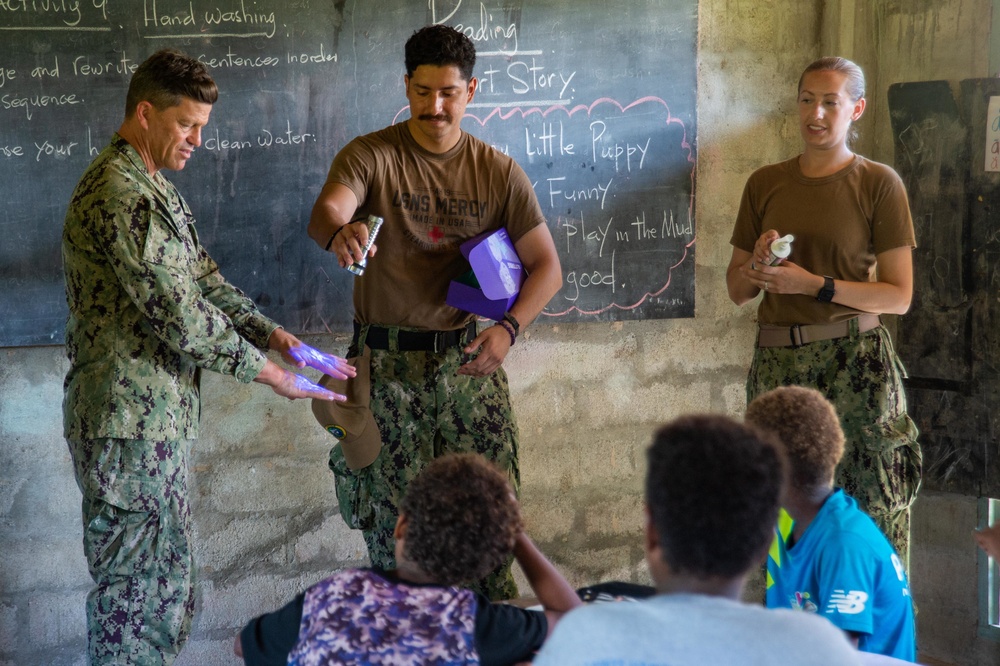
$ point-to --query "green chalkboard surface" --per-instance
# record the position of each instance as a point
(595, 100)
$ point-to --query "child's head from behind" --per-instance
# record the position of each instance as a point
(461, 519)
(713, 487)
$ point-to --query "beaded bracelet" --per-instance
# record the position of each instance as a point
(510, 329)
(509, 318)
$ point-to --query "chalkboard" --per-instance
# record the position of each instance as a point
(595, 100)
(947, 153)
(932, 157)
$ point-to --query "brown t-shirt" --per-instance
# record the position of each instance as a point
(840, 223)
(430, 203)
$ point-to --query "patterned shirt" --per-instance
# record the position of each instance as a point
(368, 616)
(148, 308)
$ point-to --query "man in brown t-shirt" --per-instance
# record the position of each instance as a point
(437, 385)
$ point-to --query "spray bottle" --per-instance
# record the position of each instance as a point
(780, 249)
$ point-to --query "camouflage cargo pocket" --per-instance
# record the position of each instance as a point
(887, 463)
(353, 491)
(117, 540)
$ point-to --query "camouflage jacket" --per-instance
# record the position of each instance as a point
(148, 308)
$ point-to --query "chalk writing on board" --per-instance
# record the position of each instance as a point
(42, 15)
(598, 161)
(593, 163)
(209, 20)
(599, 113)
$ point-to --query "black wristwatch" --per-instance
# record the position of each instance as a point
(826, 294)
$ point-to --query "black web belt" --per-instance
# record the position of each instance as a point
(378, 337)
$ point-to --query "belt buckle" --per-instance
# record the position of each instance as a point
(440, 343)
(795, 333)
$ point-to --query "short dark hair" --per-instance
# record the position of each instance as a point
(806, 424)
(166, 77)
(713, 488)
(462, 518)
(440, 45)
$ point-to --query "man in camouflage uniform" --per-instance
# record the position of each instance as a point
(147, 311)
(437, 385)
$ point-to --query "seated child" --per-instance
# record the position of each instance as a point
(835, 563)
(713, 487)
(458, 520)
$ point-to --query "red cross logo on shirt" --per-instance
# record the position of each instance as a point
(436, 234)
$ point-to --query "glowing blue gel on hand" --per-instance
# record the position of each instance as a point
(305, 384)
(325, 363)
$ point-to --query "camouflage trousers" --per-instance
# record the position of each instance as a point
(425, 409)
(862, 376)
(136, 522)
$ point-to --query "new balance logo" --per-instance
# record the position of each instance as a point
(847, 603)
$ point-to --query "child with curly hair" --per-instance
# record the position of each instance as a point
(834, 561)
(458, 521)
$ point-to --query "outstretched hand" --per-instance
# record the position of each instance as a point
(303, 355)
(297, 353)
(293, 386)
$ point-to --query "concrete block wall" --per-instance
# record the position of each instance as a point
(944, 581)
(43, 576)
(587, 396)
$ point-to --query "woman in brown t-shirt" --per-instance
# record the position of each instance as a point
(851, 261)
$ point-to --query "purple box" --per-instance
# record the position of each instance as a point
(491, 286)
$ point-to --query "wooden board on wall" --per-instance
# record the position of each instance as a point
(595, 100)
